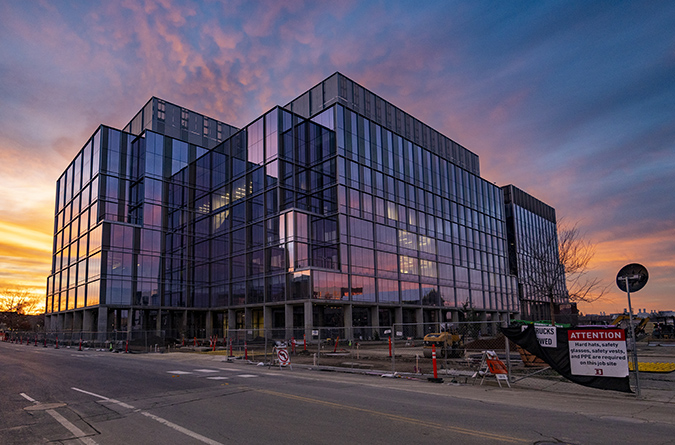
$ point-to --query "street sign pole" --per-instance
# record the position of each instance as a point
(633, 277)
(632, 335)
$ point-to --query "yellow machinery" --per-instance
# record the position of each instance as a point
(623, 322)
(447, 344)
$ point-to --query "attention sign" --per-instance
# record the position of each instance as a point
(600, 352)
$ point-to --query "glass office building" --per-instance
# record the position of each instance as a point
(336, 210)
(533, 254)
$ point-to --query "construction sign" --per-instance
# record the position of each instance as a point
(283, 357)
(491, 365)
(495, 365)
(593, 356)
(598, 352)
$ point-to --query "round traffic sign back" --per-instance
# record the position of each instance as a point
(636, 274)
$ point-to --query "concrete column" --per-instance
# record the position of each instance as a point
(248, 320)
(77, 321)
(288, 318)
(184, 322)
(68, 322)
(88, 321)
(349, 322)
(455, 316)
(375, 320)
(309, 319)
(398, 318)
(209, 324)
(231, 322)
(483, 326)
(267, 322)
(130, 322)
(102, 327)
(419, 320)
(62, 322)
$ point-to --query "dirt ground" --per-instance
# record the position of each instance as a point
(410, 359)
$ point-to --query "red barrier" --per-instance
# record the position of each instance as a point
(336, 343)
(195, 342)
(126, 347)
(390, 346)
(433, 359)
(80, 345)
(245, 350)
(231, 354)
(293, 345)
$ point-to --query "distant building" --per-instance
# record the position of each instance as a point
(338, 210)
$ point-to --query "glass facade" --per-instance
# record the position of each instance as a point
(533, 247)
(337, 210)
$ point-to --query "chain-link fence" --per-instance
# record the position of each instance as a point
(122, 341)
(404, 349)
(400, 349)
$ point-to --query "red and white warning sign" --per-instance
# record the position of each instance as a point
(283, 357)
(598, 352)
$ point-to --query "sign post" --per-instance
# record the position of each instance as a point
(632, 277)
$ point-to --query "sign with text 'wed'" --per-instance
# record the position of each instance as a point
(546, 335)
(598, 352)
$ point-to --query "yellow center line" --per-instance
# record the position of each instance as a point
(425, 423)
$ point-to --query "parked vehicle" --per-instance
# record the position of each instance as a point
(447, 344)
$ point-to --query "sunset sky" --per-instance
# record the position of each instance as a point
(573, 102)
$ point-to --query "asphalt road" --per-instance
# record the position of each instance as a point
(68, 396)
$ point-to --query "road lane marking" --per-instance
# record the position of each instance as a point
(179, 428)
(247, 376)
(78, 433)
(117, 402)
(161, 420)
(44, 406)
(180, 372)
(397, 417)
(29, 398)
(206, 370)
(90, 393)
(217, 378)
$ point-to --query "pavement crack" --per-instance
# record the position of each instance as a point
(86, 422)
(195, 398)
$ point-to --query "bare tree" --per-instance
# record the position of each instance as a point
(556, 266)
(15, 306)
(20, 301)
